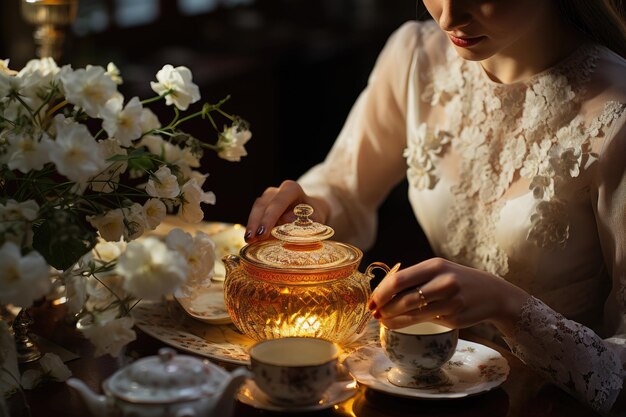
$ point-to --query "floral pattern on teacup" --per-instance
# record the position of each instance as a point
(294, 385)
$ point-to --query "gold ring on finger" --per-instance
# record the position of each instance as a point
(422, 302)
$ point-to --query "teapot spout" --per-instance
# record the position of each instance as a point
(224, 404)
(231, 262)
(97, 404)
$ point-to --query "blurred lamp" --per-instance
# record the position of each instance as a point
(51, 18)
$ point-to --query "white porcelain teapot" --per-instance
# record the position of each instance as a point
(167, 385)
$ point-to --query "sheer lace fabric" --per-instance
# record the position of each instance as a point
(570, 354)
(526, 181)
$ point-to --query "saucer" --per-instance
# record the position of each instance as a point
(168, 322)
(252, 395)
(205, 303)
(473, 369)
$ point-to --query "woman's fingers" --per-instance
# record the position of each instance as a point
(436, 312)
(439, 292)
(257, 211)
(270, 207)
(289, 194)
(405, 279)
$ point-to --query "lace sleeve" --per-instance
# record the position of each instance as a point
(569, 354)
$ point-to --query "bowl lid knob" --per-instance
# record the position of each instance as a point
(303, 229)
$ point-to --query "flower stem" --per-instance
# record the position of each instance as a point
(53, 110)
(156, 98)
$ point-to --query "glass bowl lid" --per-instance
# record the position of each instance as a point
(301, 244)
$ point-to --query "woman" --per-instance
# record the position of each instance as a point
(508, 119)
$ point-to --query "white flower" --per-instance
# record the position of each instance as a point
(26, 153)
(154, 211)
(150, 269)
(39, 76)
(134, 221)
(15, 221)
(104, 292)
(201, 259)
(192, 196)
(23, 279)
(108, 251)
(89, 88)
(10, 84)
(110, 336)
(108, 180)
(75, 152)
(172, 154)
(4, 67)
(114, 73)
(123, 123)
(163, 184)
(13, 210)
(178, 82)
(179, 241)
(231, 141)
(44, 69)
(149, 121)
(199, 252)
(110, 225)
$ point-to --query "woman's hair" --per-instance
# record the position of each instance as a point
(603, 21)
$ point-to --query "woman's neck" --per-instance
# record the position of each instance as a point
(552, 40)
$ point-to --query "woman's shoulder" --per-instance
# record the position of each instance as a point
(608, 81)
(414, 34)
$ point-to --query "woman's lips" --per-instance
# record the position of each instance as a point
(465, 42)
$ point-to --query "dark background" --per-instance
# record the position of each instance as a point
(292, 67)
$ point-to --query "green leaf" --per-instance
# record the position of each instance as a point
(63, 238)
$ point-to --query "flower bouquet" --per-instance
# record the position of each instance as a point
(85, 172)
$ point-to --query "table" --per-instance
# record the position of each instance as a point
(524, 394)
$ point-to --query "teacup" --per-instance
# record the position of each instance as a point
(418, 353)
(294, 370)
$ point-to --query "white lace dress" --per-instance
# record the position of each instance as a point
(526, 181)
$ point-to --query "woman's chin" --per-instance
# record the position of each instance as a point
(475, 53)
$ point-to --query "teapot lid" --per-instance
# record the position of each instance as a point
(166, 378)
(302, 244)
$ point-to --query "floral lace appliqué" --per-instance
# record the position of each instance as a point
(531, 130)
(422, 149)
(568, 353)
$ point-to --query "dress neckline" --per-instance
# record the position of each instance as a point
(570, 63)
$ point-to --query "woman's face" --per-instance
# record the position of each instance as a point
(480, 29)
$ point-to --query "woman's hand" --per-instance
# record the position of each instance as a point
(451, 294)
(275, 207)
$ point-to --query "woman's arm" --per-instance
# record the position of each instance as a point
(365, 162)
(566, 352)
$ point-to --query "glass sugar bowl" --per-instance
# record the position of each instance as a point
(299, 284)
